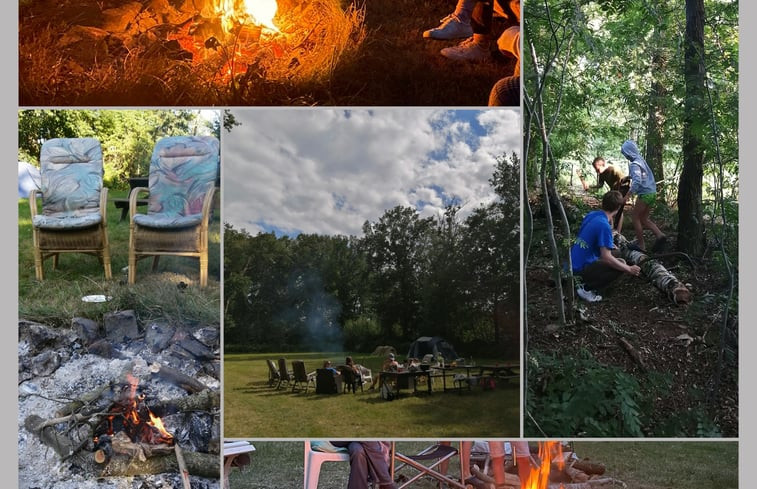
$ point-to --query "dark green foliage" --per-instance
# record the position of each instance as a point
(575, 395)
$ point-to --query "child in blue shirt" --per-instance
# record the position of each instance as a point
(591, 253)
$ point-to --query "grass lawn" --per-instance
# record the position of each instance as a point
(254, 410)
(57, 299)
(667, 465)
(641, 465)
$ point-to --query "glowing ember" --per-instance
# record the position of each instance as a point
(539, 477)
(260, 12)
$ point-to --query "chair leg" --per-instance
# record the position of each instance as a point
(55, 261)
(132, 267)
(106, 264)
(312, 472)
(39, 271)
(204, 269)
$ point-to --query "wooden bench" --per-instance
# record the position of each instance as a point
(235, 454)
(123, 204)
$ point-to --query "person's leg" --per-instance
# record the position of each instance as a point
(647, 222)
(637, 217)
(376, 456)
(359, 470)
(497, 454)
(477, 47)
(598, 275)
(456, 25)
(522, 456)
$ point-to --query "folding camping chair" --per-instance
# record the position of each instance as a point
(436, 453)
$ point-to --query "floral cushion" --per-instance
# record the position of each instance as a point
(66, 221)
(182, 171)
(71, 177)
(163, 221)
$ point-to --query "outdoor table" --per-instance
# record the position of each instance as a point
(468, 377)
(501, 370)
(443, 375)
(406, 375)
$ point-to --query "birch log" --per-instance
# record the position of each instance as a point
(654, 271)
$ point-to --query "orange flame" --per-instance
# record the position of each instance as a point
(260, 12)
(539, 476)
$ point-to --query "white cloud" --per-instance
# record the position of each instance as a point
(327, 171)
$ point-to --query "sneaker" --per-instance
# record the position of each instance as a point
(450, 28)
(588, 295)
(468, 50)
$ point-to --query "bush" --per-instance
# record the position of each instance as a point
(577, 396)
(361, 333)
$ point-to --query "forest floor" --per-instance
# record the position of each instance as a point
(677, 345)
(87, 52)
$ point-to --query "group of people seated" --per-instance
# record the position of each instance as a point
(370, 461)
(472, 22)
(593, 261)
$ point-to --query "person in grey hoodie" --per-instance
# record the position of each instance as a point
(644, 188)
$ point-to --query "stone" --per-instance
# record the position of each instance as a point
(208, 336)
(121, 326)
(118, 19)
(158, 336)
(86, 329)
(45, 363)
(103, 348)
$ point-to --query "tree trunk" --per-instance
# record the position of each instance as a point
(656, 116)
(655, 272)
(690, 225)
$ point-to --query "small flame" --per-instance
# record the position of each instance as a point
(539, 476)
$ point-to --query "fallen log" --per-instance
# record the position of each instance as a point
(676, 291)
(198, 464)
(178, 379)
(589, 467)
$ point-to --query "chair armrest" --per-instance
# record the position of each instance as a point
(33, 201)
(133, 196)
(104, 205)
(207, 203)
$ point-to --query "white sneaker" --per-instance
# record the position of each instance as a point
(450, 28)
(588, 295)
(468, 50)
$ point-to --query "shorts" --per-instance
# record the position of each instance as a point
(648, 199)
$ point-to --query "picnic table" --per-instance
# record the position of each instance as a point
(402, 379)
(123, 203)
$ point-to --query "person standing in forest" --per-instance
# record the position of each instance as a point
(614, 178)
(644, 187)
(591, 254)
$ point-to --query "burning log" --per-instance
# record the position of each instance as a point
(591, 484)
(654, 271)
(206, 400)
(197, 464)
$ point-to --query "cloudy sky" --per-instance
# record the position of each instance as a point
(327, 171)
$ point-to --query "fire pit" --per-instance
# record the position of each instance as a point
(146, 406)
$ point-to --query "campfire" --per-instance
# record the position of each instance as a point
(223, 44)
(119, 401)
(557, 468)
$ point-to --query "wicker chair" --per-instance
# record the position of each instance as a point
(73, 218)
(183, 172)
